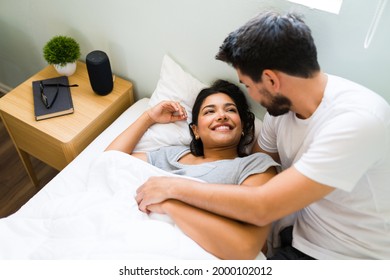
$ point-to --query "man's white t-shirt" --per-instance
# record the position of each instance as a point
(345, 144)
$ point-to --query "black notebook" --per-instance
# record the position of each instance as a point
(62, 104)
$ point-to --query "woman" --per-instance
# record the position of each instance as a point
(222, 126)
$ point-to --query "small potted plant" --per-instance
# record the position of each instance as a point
(62, 52)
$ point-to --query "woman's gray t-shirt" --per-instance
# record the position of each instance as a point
(229, 171)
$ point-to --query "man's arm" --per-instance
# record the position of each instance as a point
(284, 194)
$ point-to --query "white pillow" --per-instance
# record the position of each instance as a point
(174, 84)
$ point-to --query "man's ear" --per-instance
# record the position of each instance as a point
(270, 79)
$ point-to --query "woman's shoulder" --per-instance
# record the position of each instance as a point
(166, 154)
(174, 151)
(259, 158)
(258, 155)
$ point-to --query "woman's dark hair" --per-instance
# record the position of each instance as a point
(271, 41)
(246, 116)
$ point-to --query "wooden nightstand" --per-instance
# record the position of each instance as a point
(57, 141)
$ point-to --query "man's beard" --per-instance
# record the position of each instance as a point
(280, 105)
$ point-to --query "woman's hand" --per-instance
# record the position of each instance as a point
(157, 207)
(167, 112)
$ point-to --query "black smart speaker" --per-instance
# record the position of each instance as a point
(99, 72)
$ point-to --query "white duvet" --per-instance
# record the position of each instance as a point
(99, 220)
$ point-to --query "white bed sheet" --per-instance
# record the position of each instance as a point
(86, 213)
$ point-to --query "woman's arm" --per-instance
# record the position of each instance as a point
(223, 237)
(164, 112)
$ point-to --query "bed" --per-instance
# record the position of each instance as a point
(88, 210)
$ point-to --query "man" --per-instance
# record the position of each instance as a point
(331, 136)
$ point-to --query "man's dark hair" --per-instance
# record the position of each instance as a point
(271, 41)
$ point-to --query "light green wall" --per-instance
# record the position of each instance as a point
(137, 33)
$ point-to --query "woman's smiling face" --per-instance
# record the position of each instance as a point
(219, 123)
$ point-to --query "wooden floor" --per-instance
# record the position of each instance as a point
(15, 186)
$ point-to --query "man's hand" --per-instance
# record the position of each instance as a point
(153, 191)
(158, 189)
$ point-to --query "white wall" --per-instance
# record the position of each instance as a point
(136, 33)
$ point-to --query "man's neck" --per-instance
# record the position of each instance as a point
(306, 94)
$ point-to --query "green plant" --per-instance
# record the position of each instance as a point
(61, 50)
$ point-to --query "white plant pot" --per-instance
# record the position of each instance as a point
(66, 70)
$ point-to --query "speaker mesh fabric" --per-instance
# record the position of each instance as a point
(99, 72)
